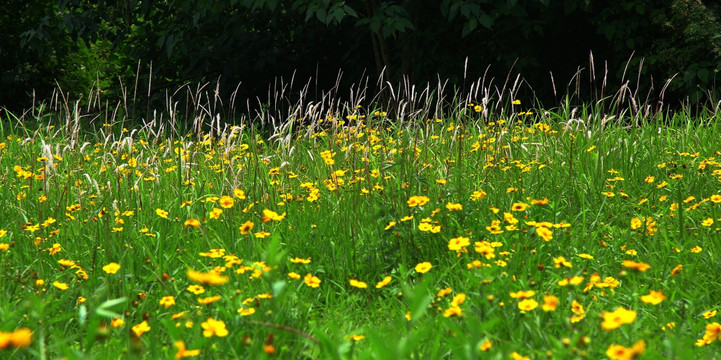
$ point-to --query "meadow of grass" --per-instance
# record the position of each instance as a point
(486, 232)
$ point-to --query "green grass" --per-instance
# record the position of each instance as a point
(341, 187)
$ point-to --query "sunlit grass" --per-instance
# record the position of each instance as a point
(531, 234)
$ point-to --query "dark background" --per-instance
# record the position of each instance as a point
(107, 47)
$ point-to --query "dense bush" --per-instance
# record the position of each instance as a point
(94, 44)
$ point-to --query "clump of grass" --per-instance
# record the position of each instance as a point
(411, 224)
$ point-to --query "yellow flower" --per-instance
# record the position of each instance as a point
(293, 275)
(484, 248)
(494, 229)
(183, 352)
(214, 327)
(423, 267)
(454, 207)
(544, 233)
(356, 337)
(550, 303)
(60, 285)
(240, 194)
(358, 284)
(521, 294)
(177, 315)
(417, 200)
(614, 319)
(226, 202)
(459, 299)
(215, 213)
(653, 297)
(642, 267)
(54, 249)
(167, 301)
(424, 226)
(709, 314)
(527, 304)
(619, 352)
(676, 270)
(519, 206)
(192, 223)
(246, 227)
(20, 338)
(4, 246)
(209, 278)
(246, 311)
(561, 261)
(196, 289)
(311, 280)
(453, 311)
(162, 213)
(478, 195)
(111, 268)
(386, 280)
(486, 345)
(298, 260)
(578, 310)
(570, 281)
(269, 215)
(117, 322)
(141, 328)
(458, 243)
(208, 300)
(713, 333)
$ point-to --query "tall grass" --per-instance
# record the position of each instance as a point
(391, 221)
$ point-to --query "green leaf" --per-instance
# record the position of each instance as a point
(569, 6)
(417, 299)
(608, 31)
(375, 25)
(468, 27)
(453, 11)
(465, 10)
(161, 41)
(278, 287)
(349, 10)
(274, 255)
(82, 314)
(106, 309)
(339, 13)
(486, 21)
(321, 15)
(703, 74)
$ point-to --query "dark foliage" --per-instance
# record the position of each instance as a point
(102, 46)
